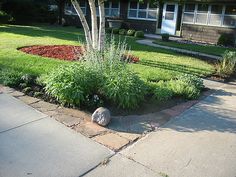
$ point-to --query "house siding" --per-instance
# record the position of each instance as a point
(208, 34)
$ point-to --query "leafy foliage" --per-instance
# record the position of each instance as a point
(227, 65)
(10, 77)
(165, 37)
(124, 88)
(71, 84)
(162, 92)
(122, 32)
(226, 40)
(188, 86)
(130, 32)
(139, 34)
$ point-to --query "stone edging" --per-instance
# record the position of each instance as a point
(81, 121)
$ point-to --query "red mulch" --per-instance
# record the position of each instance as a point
(62, 52)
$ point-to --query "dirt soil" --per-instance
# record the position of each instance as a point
(62, 52)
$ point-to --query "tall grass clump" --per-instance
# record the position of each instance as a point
(103, 74)
(226, 67)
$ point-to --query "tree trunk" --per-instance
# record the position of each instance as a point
(94, 23)
(102, 34)
(61, 5)
(84, 23)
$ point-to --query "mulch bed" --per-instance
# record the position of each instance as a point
(62, 52)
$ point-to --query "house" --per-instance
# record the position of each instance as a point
(200, 20)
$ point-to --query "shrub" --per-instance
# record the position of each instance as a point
(227, 65)
(165, 37)
(124, 88)
(4, 17)
(139, 34)
(108, 30)
(28, 79)
(130, 32)
(162, 92)
(122, 32)
(71, 84)
(187, 86)
(115, 31)
(226, 40)
(11, 78)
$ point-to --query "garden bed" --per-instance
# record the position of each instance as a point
(62, 52)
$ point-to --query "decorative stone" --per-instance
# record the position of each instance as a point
(101, 116)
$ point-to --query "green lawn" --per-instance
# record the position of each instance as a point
(156, 64)
(208, 49)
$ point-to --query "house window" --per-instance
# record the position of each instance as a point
(211, 15)
(70, 10)
(201, 14)
(143, 11)
(188, 15)
(230, 16)
(112, 9)
(215, 16)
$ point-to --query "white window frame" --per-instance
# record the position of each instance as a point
(208, 16)
(110, 10)
(147, 10)
(71, 8)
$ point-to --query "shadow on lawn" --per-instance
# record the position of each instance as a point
(175, 67)
(43, 31)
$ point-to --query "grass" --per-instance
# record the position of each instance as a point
(156, 64)
(207, 49)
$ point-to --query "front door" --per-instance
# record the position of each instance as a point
(169, 18)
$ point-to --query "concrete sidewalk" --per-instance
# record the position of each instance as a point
(32, 144)
(201, 142)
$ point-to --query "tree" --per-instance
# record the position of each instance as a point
(95, 37)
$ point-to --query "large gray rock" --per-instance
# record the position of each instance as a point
(101, 116)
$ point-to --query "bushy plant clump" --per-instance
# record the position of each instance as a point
(226, 40)
(227, 65)
(11, 78)
(188, 86)
(4, 17)
(122, 31)
(162, 92)
(130, 32)
(139, 34)
(124, 88)
(115, 31)
(71, 84)
(98, 74)
(165, 37)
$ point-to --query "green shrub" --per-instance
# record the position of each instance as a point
(115, 31)
(139, 34)
(165, 37)
(10, 78)
(71, 84)
(227, 65)
(162, 92)
(130, 32)
(122, 31)
(108, 30)
(4, 17)
(187, 86)
(28, 79)
(124, 88)
(226, 40)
